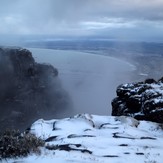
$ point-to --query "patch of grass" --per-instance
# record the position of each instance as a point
(15, 144)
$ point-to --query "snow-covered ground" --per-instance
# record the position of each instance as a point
(91, 80)
(90, 138)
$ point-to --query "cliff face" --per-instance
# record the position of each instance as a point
(28, 90)
(143, 100)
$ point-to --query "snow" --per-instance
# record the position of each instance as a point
(90, 79)
(156, 90)
(97, 139)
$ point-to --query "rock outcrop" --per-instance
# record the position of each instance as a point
(28, 90)
(142, 100)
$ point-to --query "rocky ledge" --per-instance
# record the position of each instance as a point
(28, 90)
(142, 100)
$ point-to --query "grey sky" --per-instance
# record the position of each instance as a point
(112, 18)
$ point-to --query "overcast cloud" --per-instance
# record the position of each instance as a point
(115, 18)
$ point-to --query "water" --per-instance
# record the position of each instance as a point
(90, 80)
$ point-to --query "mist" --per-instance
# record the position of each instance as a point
(90, 80)
(29, 90)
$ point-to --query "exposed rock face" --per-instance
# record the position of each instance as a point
(28, 90)
(143, 100)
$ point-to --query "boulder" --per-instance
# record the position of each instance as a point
(28, 90)
(142, 100)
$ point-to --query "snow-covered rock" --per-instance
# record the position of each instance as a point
(143, 100)
(89, 138)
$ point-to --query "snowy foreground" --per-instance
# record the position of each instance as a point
(89, 138)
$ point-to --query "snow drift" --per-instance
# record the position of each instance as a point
(89, 138)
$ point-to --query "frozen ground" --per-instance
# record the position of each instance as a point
(91, 80)
(89, 138)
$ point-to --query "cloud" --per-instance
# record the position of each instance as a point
(78, 17)
(107, 23)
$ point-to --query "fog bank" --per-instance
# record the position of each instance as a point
(91, 80)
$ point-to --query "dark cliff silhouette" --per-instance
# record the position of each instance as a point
(28, 90)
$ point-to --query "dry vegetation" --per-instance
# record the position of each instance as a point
(15, 144)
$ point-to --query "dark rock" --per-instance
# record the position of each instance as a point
(110, 156)
(139, 153)
(150, 138)
(52, 138)
(143, 100)
(161, 80)
(28, 90)
(68, 148)
(150, 81)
